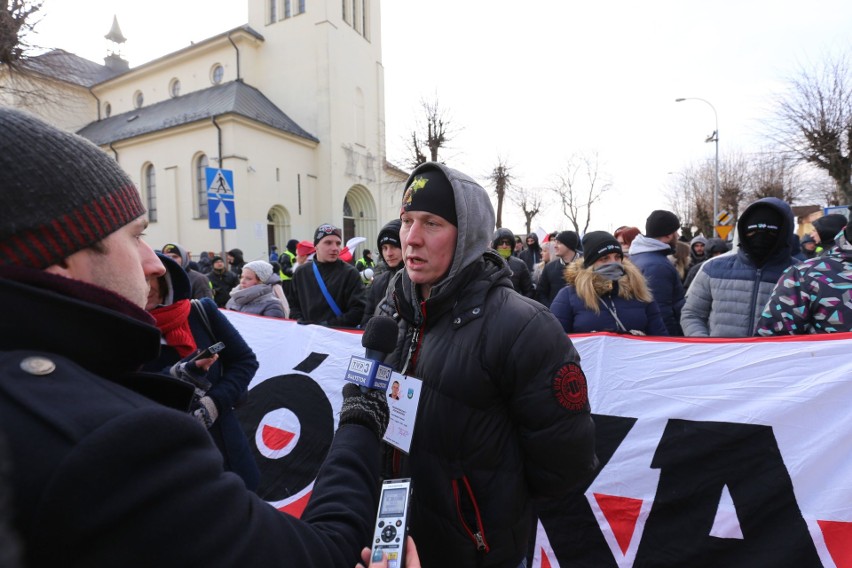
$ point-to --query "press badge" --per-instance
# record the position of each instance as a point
(403, 397)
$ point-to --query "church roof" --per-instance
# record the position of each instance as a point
(234, 97)
(65, 66)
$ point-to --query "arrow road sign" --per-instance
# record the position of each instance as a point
(220, 199)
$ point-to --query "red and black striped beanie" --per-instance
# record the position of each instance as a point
(60, 193)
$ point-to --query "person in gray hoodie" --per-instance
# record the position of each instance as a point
(729, 292)
(503, 417)
(201, 287)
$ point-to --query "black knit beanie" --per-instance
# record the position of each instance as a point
(598, 244)
(430, 191)
(570, 239)
(60, 193)
(828, 226)
(661, 223)
(326, 230)
(389, 235)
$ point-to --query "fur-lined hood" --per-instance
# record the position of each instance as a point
(631, 286)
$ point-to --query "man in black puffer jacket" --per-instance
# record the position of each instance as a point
(504, 415)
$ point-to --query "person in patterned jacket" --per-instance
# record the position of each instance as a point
(813, 297)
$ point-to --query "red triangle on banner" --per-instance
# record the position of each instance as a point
(276, 438)
(621, 513)
(545, 561)
(838, 540)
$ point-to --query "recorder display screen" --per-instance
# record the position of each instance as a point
(393, 502)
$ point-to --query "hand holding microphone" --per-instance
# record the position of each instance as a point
(363, 405)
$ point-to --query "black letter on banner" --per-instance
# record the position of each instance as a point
(696, 459)
(569, 522)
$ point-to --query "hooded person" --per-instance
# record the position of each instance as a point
(504, 243)
(827, 228)
(728, 294)
(186, 327)
(257, 292)
(201, 287)
(236, 261)
(603, 278)
(650, 252)
(715, 247)
(495, 366)
(808, 245)
(390, 253)
(812, 296)
(326, 290)
(532, 254)
(697, 250)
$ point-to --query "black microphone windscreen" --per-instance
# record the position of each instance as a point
(380, 334)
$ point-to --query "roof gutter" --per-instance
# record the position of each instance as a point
(237, 49)
(97, 100)
(218, 140)
(114, 151)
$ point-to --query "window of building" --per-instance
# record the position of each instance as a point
(347, 11)
(365, 18)
(357, 15)
(174, 87)
(150, 186)
(138, 99)
(301, 6)
(201, 209)
(217, 73)
(287, 11)
(107, 110)
(272, 11)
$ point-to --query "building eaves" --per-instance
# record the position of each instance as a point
(64, 66)
(234, 97)
(194, 46)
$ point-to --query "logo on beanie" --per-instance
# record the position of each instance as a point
(569, 387)
(416, 185)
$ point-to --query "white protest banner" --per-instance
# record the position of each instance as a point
(713, 452)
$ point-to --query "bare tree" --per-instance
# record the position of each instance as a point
(16, 21)
(430, 134)
(814, 120)
(579, 187)
(501, 177)
(530, 202)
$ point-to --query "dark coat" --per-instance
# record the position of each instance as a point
(576, 317)
(104, 476)
(490, 432)
(521, 278)
(308, 305)
(551, 282)
(223, 282)
(375, 293)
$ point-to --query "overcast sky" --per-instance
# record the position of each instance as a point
(535, 86)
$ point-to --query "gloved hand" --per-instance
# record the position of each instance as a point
(368, 409)
(206, 413)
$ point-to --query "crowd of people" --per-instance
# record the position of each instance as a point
(118, 438)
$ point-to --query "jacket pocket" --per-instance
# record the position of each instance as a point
(468, 511)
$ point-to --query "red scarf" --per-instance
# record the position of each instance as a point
(173, 322)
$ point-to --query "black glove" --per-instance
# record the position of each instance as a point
(368, 409)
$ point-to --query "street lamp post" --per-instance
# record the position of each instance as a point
(712, 138)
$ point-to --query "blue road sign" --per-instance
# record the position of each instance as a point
(221, 207)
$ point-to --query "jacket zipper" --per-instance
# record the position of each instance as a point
(416, 344)
(477, 537)
(753, 306)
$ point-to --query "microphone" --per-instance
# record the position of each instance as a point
(378, 340)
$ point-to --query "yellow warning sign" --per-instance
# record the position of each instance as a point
(723, 231)
(724, 218)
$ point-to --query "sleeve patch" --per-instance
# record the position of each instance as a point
(569, 387)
